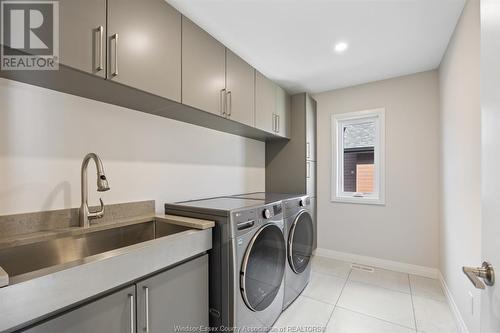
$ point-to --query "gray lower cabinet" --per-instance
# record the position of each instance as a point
(83, 35)
(203, 69)
(265, 103)
(114, 313)
(144, 46)
(240, 87)
(175, 298)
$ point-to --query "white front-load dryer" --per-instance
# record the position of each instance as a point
(259, 253)
(299, 233)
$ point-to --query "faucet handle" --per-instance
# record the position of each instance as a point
(98, 214)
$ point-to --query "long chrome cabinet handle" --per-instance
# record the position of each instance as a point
(229, 104)
(277, 123)
(132, 313)
(100, 66)
(308, 169)
(146, 308)
(274, 122)
(222, 101)
(115, 65)
(308, 150)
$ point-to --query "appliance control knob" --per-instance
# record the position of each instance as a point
(266, 213)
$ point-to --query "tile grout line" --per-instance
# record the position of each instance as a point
(376, 285)
(317, 300)
(412, 304)
(389, 289)
(338, 298)
(381, 287)
(374, 317)
(368, 315)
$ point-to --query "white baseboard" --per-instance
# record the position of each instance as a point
(380, 263)
(453, 306)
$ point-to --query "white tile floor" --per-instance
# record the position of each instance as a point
(343, 300)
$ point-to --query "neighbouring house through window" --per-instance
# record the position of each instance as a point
(358, 145)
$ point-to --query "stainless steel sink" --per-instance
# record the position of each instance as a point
(20, 260)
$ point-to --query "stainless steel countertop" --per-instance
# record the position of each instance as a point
(34, 299)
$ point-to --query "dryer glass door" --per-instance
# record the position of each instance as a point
(263, 267)
(300, 242)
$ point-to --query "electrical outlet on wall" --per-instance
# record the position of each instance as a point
(471, 303)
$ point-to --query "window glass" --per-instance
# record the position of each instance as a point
(359, 157)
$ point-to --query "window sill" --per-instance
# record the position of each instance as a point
(359, 201)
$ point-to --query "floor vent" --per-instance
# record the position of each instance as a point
(362, 268)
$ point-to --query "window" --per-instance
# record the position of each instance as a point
(358, 143)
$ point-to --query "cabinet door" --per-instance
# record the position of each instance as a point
(240, 86)
(265, 103)
(175, 298)
(114, 313)
(310, 128)
(203, 69)
(282, 112)
(83, 35)
(147, 53)
(311, 178)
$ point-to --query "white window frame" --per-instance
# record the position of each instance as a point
(337, 176)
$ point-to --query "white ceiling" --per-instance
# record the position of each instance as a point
(291, 41)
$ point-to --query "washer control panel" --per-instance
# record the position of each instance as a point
(277, 209)
(304, 202)
(246, 220)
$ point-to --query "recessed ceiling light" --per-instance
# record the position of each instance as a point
(340, 47)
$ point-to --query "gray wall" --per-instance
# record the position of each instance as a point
(406, 228)
(460, 163)
(45, 134)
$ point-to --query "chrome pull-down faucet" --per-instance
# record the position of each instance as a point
(102, 185)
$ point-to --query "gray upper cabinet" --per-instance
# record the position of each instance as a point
(265, 103)
(177, 297)
(83, 35)
(144, 46)
(240, 89)
(282, 112)
(159, 58)
(114, 313)
(310, 129)
(203, 69)
(290, 168)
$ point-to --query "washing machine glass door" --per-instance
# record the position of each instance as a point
(263, 267)
(300, 242)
